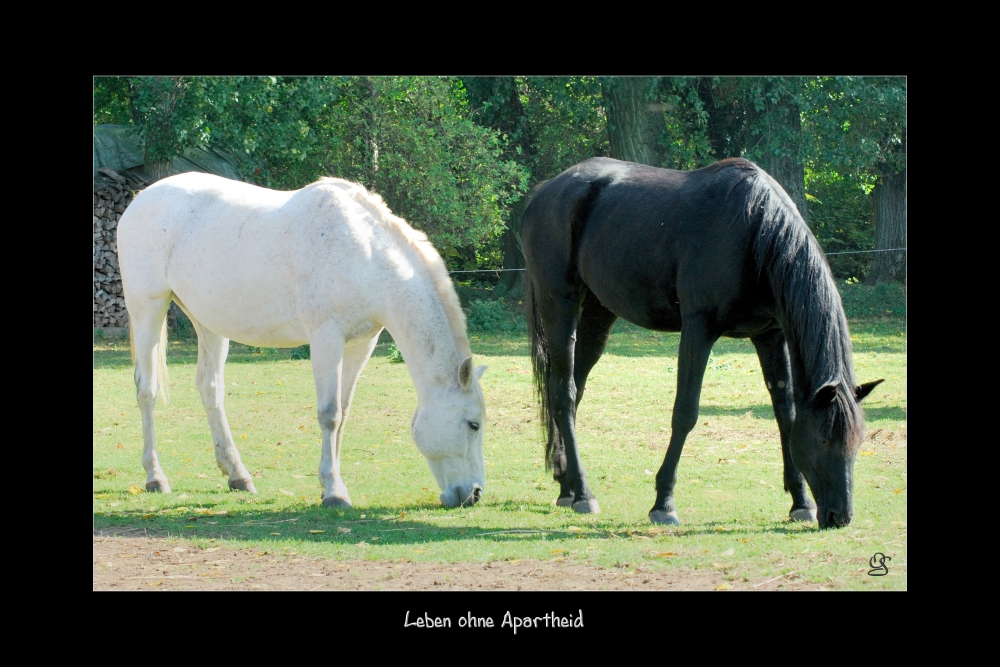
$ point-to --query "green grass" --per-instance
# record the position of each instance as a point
(729, 492)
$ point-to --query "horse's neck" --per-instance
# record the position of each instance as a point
(418, 322)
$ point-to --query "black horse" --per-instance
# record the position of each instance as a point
(720, 251)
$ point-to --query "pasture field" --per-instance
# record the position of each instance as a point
(729, 494)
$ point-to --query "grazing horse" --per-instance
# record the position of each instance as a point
(720, 251)
(328, 265)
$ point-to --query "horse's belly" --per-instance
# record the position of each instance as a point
(249, 319)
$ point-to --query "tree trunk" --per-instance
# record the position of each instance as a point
(633, 121)
(513, 254)
(889, 198)
(787, 168)
(154, 170)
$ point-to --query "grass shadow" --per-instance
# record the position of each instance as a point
(386, 525)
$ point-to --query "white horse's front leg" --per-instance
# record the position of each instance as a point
(356, 354)
(327, 353)
(212, 352)
(149, 338)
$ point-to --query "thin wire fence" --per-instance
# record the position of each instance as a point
(828, 254)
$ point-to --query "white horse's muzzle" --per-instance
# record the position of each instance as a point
(460, 496)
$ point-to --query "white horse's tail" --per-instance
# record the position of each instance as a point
(161, 360)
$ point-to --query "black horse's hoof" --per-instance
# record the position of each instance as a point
(242, 485)
(334, 501)
(587, 506)
(804, 514)
(565, 501)
(664, 517)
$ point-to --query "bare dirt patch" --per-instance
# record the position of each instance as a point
(140, 562)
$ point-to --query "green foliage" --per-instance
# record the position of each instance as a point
(261, 351)
(568, 121)
(840, 217)
(866, 302)
(304, 352)
(856, 124)
(112, 101)
(395, 355)
(492, 316)
(684, 140)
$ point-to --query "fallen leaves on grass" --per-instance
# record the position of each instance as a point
(341, 529)
(134, 490)
(287, 493)
(724, 587)
(316, 532)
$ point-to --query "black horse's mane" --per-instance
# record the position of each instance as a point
(788, 256)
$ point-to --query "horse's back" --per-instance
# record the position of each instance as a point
(644, 239)
(247, 262)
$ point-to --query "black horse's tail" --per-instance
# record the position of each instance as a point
(541, 366)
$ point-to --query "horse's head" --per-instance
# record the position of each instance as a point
(826, 435)
(448, 431)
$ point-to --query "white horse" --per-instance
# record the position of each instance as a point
(328, 265)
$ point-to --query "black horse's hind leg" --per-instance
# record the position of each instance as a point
(560, 317)
(592, 335)
(773, 354)
(696, 345)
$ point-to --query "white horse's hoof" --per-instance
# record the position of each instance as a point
(158, 486)
(335, 501)
(802, 515)
(242, 485)
(664, 517)
(565, 501)
(587, 507)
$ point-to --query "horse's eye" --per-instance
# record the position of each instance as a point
(474, 426)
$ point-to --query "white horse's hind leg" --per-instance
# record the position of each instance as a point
(212, 352)
(327, 353)
(147, 323)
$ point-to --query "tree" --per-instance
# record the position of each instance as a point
(634, 119)
(858, 126)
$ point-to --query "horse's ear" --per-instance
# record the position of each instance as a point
(465, 373)
(824, 396)
(865, 389)
(479, 372)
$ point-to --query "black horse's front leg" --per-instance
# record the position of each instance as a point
(772, 350)
(696, 345)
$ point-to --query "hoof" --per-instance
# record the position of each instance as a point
(334, 501)
(587, 507)
(664, 517)
(242, 485)
(158, 486)
(565, 501)
(802, 515)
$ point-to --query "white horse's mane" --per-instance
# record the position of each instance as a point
(423, 248)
